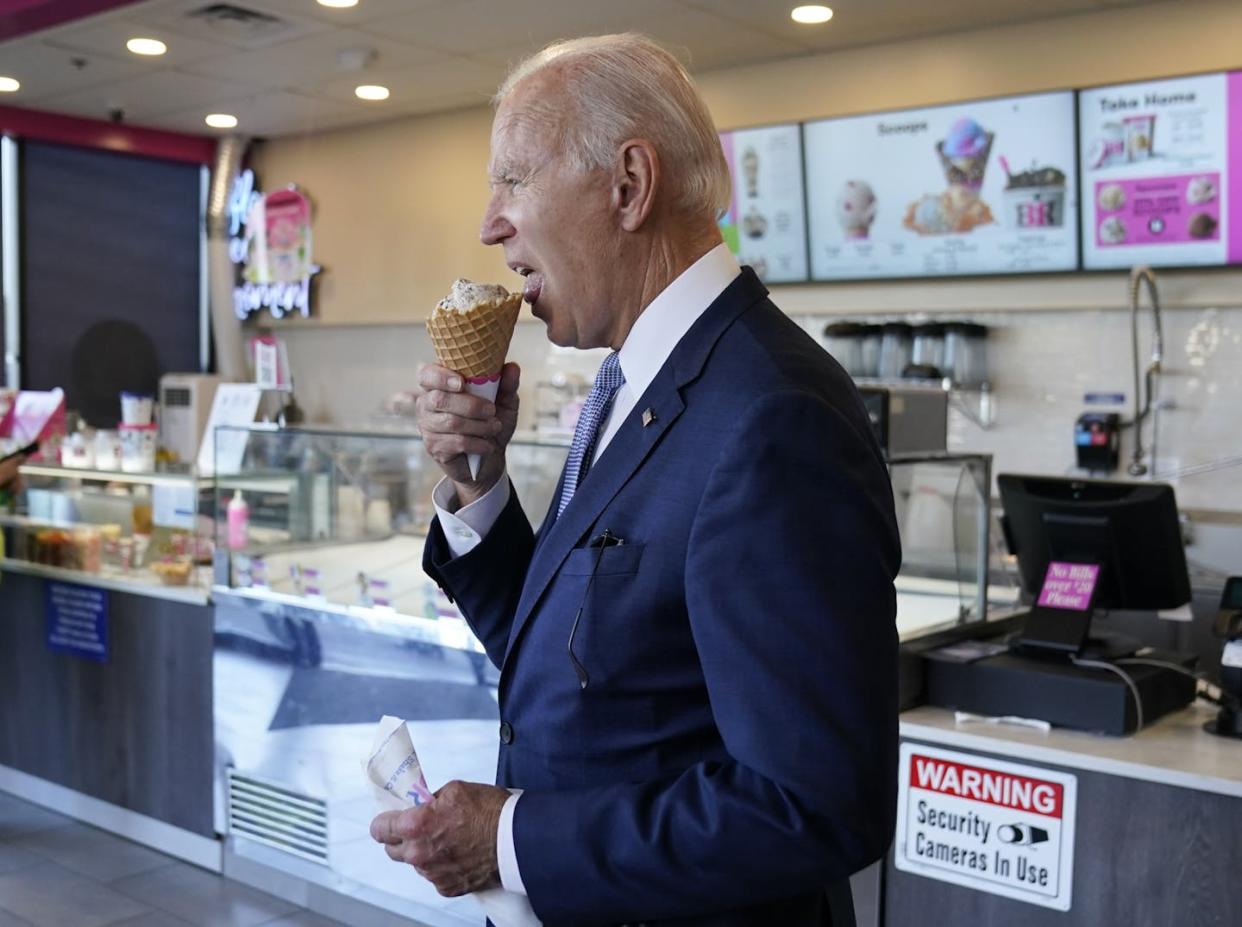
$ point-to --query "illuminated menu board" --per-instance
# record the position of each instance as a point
(984, 187)
(1161, 164)
(765, 225)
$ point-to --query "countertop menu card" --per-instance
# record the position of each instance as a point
(766, 222)
(984, 187)
(1160, 160)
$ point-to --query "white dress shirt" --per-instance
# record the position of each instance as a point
(654, 335)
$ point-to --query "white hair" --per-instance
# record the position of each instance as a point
(623, 86)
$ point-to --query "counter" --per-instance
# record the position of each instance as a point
(1156, 831)
(105, 669)
(122, 742)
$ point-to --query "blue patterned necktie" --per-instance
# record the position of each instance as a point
(594, 413)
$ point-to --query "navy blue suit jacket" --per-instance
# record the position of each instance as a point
(735, 750)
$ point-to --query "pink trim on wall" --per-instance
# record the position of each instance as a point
(95, 133)
(21, 17)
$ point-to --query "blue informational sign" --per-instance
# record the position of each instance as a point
(77, 620)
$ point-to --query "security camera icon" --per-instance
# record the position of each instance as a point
(1021, 834)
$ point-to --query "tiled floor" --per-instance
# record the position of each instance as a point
(57, 872)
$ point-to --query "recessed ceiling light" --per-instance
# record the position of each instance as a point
(221, 121)
(338, 4)
(9, 85)
(811, 15)
(371, 92)
(140, 46)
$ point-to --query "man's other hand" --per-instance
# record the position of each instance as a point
(451, 841)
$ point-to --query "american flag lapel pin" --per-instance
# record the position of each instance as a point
(648, 417)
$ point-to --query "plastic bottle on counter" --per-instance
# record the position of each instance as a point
(238, 513)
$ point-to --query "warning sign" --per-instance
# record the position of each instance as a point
(988, 825)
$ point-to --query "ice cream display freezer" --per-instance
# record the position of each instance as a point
(324, 622)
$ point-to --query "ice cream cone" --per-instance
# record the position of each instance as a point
(470, 331)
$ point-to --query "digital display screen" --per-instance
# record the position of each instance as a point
(984, 187)
(1161, 164)
(765, 225)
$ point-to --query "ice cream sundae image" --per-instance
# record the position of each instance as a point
(856, 208)
(1036, 198)
(1112, 231)
(750, 171)
(964, 153)
(1111, 197)
(963, 156)
(754, 223)
(1200, 190)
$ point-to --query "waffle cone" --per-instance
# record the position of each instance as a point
(474, 342)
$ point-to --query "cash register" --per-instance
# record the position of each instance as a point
(1082, 546)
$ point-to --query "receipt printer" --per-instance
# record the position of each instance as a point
(1097, 441)
(1229, 626)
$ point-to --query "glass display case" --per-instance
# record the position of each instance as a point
(135, 532)
(324, 622)
(337, 519)
(943, 516)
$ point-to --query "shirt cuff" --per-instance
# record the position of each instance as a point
(465, 529)
(506, 852)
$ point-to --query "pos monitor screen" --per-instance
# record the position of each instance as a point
(1129, 531)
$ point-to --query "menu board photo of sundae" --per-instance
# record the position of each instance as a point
(1158, 159)
(765, 225)
(985, 187)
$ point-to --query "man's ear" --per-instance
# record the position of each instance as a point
(635, 183)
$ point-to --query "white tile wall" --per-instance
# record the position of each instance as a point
(1042, 364)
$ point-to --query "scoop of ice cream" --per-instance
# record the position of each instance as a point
(856, 205)
(466, 294)
(1202, 225)
(1200, 190)
(966, 139)
(929, 215)
(1112, 230)
(1112, 196)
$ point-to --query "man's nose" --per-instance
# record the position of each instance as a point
(495, 228)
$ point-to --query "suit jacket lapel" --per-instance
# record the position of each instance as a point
(631, 445)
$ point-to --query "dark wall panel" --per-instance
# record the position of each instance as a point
(135, 731)
(110, 252)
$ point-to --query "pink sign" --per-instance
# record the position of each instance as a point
(1158, 210)
(1069, 585)
(1234, 130)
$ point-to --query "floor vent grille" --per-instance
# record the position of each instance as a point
(277, 816)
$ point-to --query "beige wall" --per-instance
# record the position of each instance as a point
(398, 204)
(397, 209)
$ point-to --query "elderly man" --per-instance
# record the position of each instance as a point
(697, 649)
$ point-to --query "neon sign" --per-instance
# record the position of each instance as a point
(270, 240)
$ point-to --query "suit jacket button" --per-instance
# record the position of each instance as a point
(506, 733)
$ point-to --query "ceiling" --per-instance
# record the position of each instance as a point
(296, 72)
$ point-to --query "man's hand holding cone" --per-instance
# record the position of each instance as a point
(468, 409)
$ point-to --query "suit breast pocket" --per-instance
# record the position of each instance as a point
(618, 615)
(617, 560)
